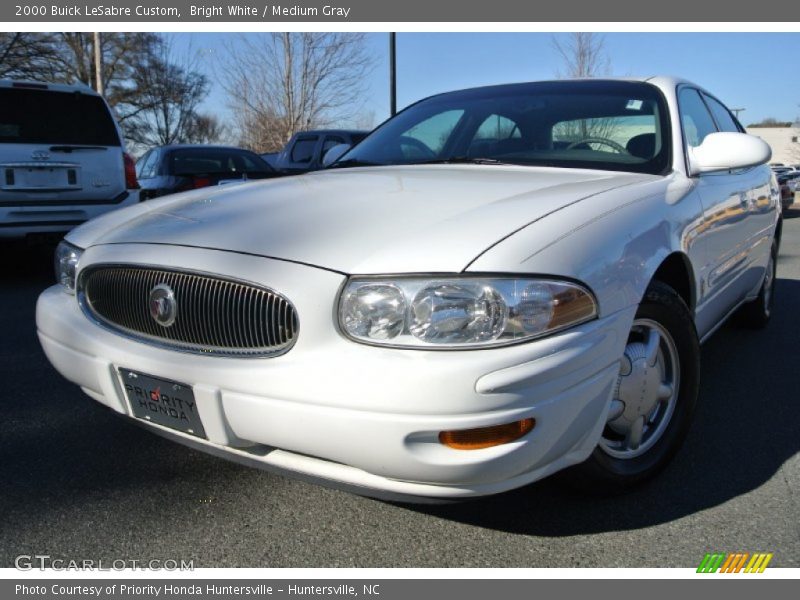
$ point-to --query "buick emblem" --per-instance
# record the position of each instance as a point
(162, 305)
(40, 155)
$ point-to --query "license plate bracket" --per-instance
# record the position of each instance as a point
(162, 401)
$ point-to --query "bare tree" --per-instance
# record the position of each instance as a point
(170, 92)
(282, 83)
(583, 54)
(127, 59)
(204, 129)
(365, 120)
(154, 93)
(26, 56)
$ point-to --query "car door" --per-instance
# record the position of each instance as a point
(737, 208)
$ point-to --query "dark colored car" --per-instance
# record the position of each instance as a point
(169, 169)
(305, 150)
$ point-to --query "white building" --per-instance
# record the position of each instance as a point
(782, 140)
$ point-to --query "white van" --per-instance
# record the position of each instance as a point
(62, 159)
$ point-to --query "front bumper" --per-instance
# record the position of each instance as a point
(348, 414)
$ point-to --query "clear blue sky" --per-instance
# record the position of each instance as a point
(756, 71)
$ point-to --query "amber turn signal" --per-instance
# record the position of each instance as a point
(486, 437)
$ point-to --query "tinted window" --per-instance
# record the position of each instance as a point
(44, 117)
(496, 127)
(140, 164)
(303, 150)
(723, 117)
(357, 137)
(203, 160)
(611, 125)
(428, 137)
(634, 135)
(696, 120)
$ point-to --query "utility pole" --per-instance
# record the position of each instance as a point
(393, 73)
(736, 112)
(98, 64)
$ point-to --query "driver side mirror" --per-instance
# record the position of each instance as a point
(726, 151)
(334, 154)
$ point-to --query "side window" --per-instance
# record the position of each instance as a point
(330, 142)
(245, 162)
(427, 138)
(722, 115)
(144, 167)
(154, 164)
(696, 120)
(303, 150)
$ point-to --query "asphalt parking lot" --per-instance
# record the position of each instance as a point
(78, 483)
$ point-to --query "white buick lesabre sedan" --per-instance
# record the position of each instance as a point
(496, 284)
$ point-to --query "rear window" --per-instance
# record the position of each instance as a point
(200, 161)
(45, 117)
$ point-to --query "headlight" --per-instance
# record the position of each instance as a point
(66, 265)
(460, 311)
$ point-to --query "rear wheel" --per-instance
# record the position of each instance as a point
(654, 398)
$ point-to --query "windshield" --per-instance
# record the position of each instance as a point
(609, 125)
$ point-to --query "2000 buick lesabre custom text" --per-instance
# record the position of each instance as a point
(496, 284)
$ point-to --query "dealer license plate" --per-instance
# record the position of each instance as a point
(162, 401)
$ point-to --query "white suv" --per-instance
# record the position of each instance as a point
(62, 159)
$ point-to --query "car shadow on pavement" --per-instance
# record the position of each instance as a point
(746, 426)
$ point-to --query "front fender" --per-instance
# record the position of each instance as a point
(613, 242)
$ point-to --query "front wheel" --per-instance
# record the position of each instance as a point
(654, 397)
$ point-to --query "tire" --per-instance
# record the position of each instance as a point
(756, 314)
(619, 462)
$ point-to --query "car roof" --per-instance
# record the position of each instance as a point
(47, 86)
(663, 82)
(332, 132)
(204, 146)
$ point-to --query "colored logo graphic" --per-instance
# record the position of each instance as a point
(735, 562)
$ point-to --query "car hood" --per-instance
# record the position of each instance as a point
(435, 218)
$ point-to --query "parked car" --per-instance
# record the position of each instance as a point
(497, 284)
(177, 168)
(788, 184)
(62, 159)
(305, 150)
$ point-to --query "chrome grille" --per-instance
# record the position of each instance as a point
(213, 315)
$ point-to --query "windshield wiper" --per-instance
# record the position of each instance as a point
(463, 160)
(352, 162)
